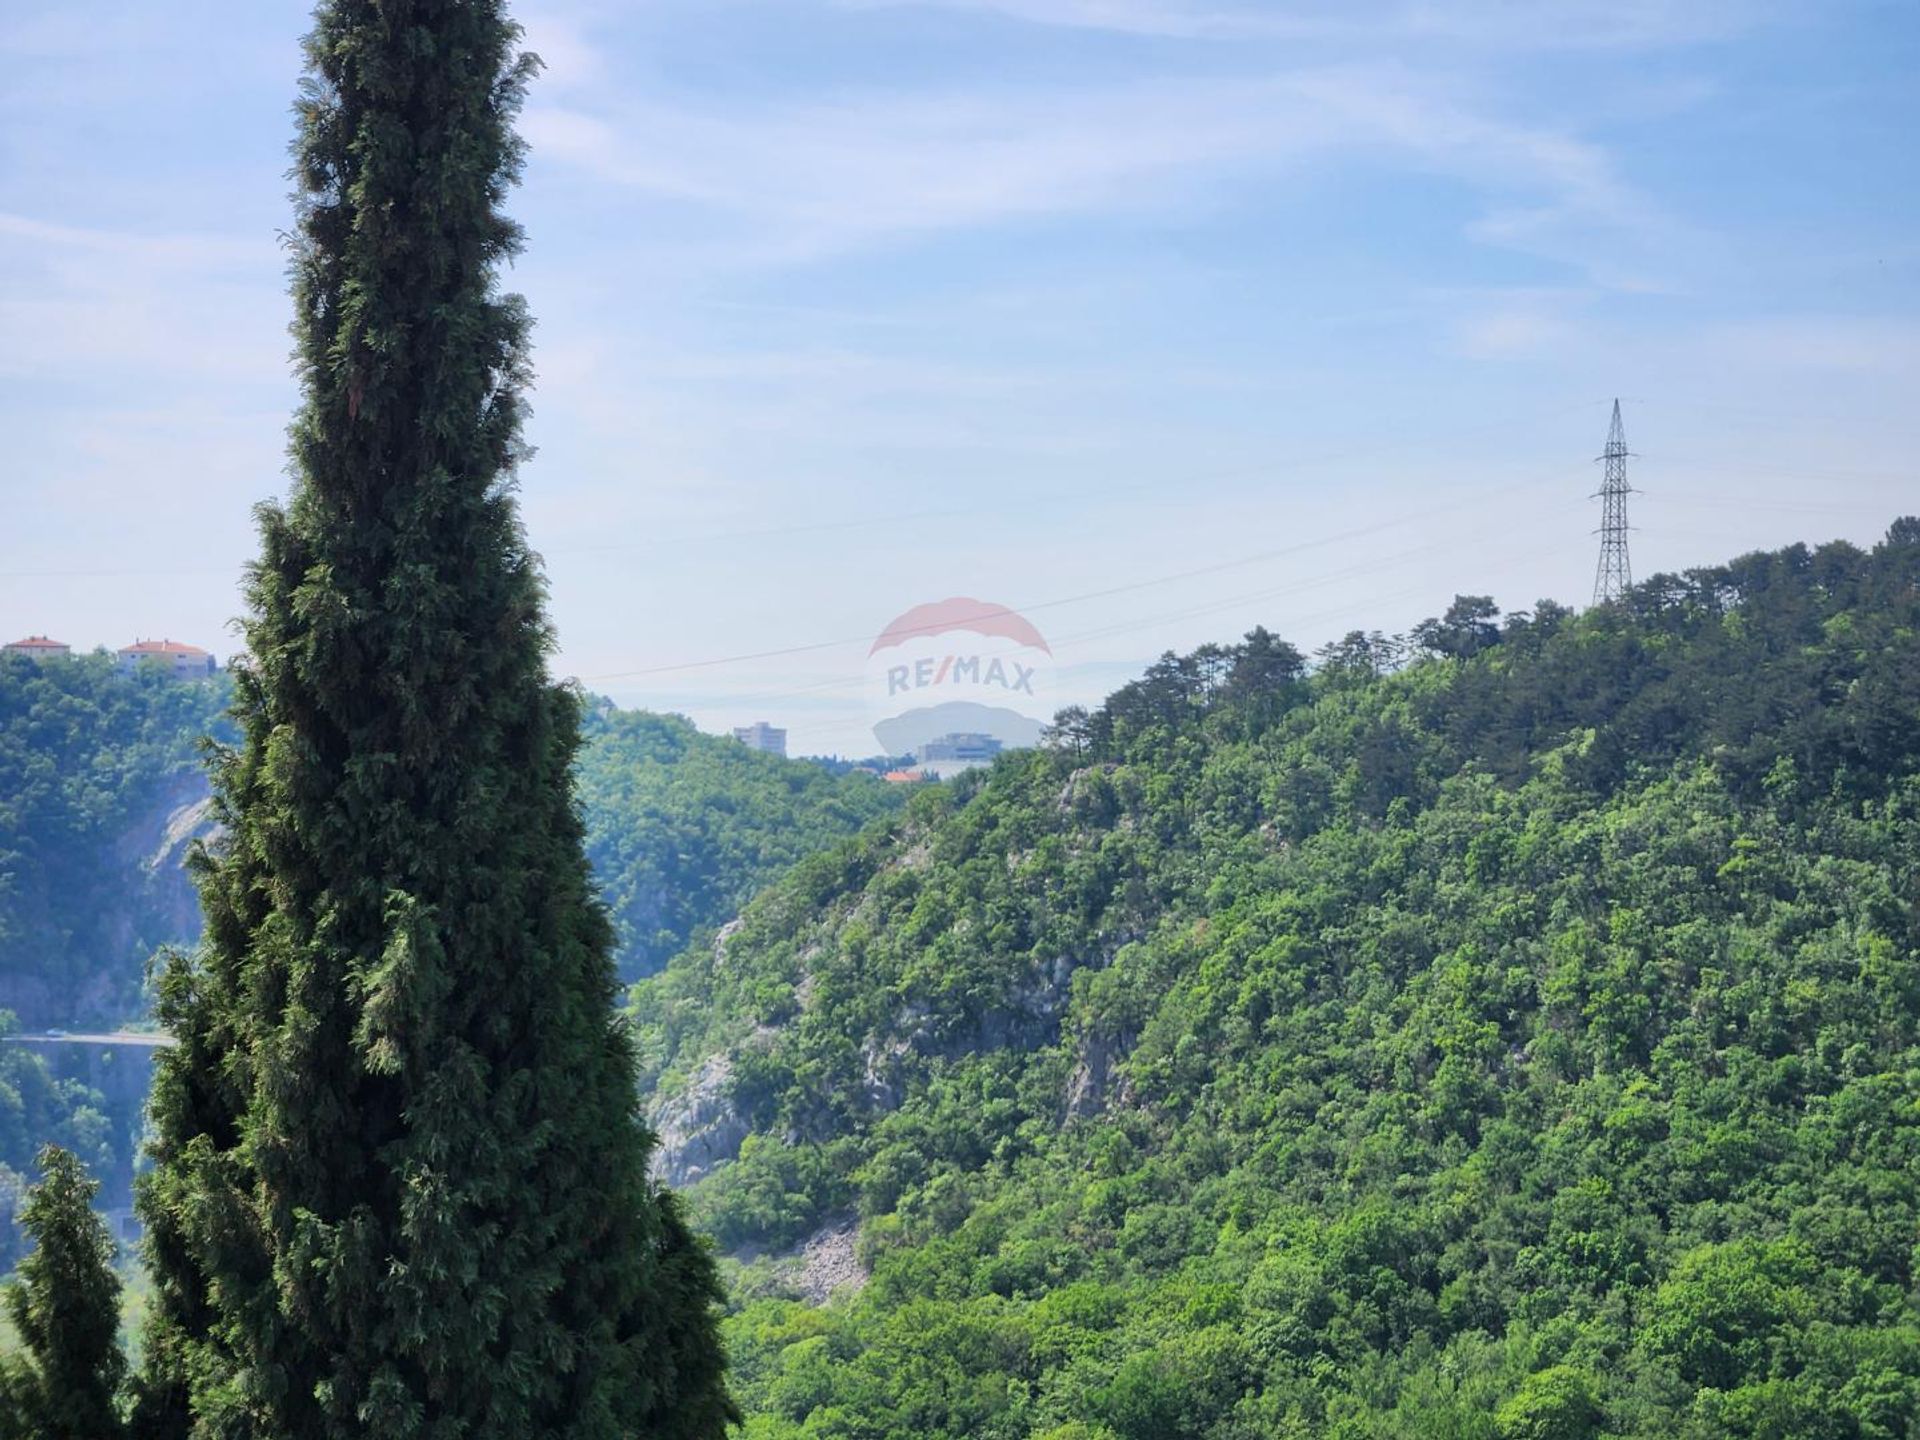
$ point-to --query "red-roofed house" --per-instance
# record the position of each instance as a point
(182, 662)
(39, 647)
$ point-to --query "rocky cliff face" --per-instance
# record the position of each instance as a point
(167, 907)
(102, 796)
(699, 1125)
(90, 939)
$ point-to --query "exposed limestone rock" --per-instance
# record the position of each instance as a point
(153, 905)
(824, 1265)
(1030, 1018)
(829, 1263)
(184, 825)
(699, 1126)
(1091, 1087)
(1080, 792)
(880, 1078)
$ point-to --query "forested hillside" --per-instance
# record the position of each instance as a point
(36, 1109)
(1507, 1032)
(103, 789)
(683, 827)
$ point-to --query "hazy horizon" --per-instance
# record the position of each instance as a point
(1151, 320)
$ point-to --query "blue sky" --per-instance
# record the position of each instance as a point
(846, 305)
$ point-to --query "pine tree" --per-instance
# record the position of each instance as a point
(66, 1308)
(401, 1183)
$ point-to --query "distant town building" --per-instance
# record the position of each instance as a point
(904, 777)
(39, 647)
(763, 737)
(945, 756)
(181, 662)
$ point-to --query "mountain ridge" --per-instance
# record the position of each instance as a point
(1518, 1042)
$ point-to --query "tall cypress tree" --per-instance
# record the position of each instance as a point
(66, 1308)
(401, 1183)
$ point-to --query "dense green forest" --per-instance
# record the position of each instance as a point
(1504, 1032)
(102, 788)
(683, 827)
(37, 1109)
(102, 791)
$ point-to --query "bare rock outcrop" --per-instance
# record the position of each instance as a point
(699, 1125)
(1095, 1083)
(829, 1263)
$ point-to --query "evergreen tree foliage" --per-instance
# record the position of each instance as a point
(401, 1187)
(37, 1109)
(65, 1308)
(100, 772)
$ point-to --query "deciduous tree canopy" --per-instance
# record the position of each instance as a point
(1516, 1042)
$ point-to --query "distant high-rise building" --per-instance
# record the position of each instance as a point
(39, 647)
(763, 737)
(181, 662)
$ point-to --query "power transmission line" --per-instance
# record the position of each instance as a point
(996, 611)
(1386, 563)
(1175, 490)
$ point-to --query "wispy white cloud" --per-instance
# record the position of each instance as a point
(99, 303)
(1513, 323)
(164, 250)
(1547, 192)
(828, 176)
(1498, 24)
(800, 180)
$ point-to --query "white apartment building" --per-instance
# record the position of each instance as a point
(762, 736)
